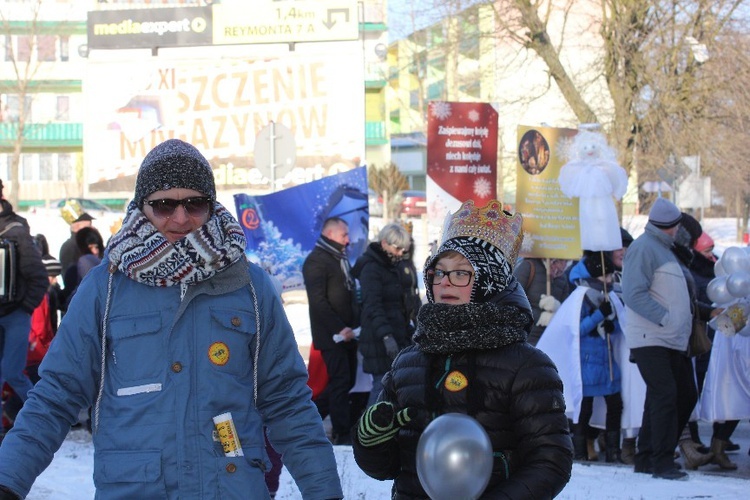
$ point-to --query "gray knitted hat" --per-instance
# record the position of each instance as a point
(174, 164)
(664, 214)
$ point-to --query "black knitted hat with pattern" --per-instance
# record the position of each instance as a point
(174, 164)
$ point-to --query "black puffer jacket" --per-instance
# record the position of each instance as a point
(384, 308)
(32, 281)
(510, 387)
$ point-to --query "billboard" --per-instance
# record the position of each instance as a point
(268, 21)
(550, 219)
(219, 105)
(461, 157)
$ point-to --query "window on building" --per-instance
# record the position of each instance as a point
(14, 109)
(63, 108)
(414, 99)
(45, 49)
(27, 167)
(8, 48)
(64, 48)
(25, 43)
(65, 167)
(45, 167)
(435, 91)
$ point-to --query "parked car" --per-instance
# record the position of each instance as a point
(413, 203)
(376, 203)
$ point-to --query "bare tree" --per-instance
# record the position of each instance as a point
(657, 75)
(21, 52)
(387, 181)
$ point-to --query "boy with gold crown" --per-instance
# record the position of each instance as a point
(470, 356)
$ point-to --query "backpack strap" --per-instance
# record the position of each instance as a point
(10, 226)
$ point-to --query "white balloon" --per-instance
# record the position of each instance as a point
(719, 269)
(734, 259)
(454, 458)
(738, 284)
(717, 291)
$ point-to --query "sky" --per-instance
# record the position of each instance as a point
(69, 475)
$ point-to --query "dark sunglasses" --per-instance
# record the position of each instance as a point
(195, 206)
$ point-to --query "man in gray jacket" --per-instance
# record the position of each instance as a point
(657, 330)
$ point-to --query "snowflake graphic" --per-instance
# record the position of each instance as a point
(528, 243)
(440, 110)
(489, 288)
(482, 187)
(474, 115)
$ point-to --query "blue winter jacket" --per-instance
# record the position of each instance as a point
(170, 366)
(600, 373)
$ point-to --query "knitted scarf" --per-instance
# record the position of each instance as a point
(339, 252)
(143, 254)
(450, 329)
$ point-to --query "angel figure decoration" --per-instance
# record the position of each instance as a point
(593, 175)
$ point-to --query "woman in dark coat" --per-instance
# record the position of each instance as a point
(471, 356)
(386, 327)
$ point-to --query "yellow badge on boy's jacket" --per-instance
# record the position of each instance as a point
(218, 353)
(456, 381)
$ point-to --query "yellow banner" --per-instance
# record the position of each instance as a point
(550, 219)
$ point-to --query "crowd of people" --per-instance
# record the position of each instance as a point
(629, 317)
(180, 351)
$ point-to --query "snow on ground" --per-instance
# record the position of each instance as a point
(69, 476)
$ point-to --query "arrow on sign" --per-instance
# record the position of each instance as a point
(329, 23)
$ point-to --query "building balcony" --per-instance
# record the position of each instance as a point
(375, 134)
(43, 137)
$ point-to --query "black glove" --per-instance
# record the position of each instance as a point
(391, 346)
(380, 423)
(606, 308)
(603, 329)
(8, 494)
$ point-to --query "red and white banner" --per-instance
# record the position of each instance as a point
(461, 157)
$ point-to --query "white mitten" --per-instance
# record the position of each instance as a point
(545, 318)
(549, 303)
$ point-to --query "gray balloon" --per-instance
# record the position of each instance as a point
(738, 284)
(454, 458)
(717, 291)
(719, 269)
(734, 259)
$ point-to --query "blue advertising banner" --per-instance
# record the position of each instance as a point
(281, 228)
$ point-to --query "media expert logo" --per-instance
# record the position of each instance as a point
(148, 28)
(130, 27)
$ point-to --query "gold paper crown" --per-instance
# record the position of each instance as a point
(489, 223)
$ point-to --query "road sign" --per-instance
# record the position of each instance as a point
(285, 21)
(275, 151)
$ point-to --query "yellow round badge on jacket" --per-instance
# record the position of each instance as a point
(456, 381)
(218, 353)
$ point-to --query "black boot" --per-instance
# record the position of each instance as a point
(613, 454)
(579, 446)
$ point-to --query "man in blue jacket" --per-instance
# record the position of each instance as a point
(657, 329)
(178, 344)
